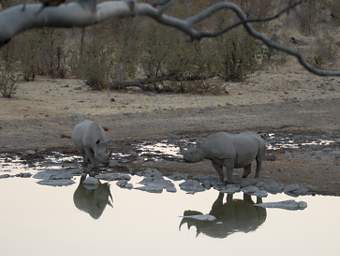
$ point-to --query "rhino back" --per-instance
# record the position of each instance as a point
(218, 145)
(78, 133)
(247, 146)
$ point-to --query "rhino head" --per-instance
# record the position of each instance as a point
(193, 153)
(102, 151)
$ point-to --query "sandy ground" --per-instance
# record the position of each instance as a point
(285, 99)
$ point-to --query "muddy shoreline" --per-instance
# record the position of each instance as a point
(312, 159)
(41, 118)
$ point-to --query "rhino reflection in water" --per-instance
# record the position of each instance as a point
(93, 201)
(236, 215)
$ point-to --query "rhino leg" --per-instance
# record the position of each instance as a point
(219, 168)
(246, 171)
(258, 200)
(229, 198)
(228, 172)
(247, 198)
(90, 157)
(85, 158)
(218, 204)
(258, 166)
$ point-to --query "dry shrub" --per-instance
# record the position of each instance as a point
(308, 15)
(51, 54)
(237, 55)
(95, 65)
(137, 48)
(205, 86)
(29, 57)
(42, 53)
(8, 84)
(335, 10)
(324, 51)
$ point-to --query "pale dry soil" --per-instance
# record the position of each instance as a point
(42, 114)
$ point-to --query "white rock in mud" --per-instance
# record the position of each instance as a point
(5, 176)
(29, 152)
(152, 188)
(230, 189)
(150, 173)
(24, 175)
(171, 189)
(113, 176)
(270, 186)
(296, 190)
(209, 181)
(253, 190)
(191, 186)
(55, 174)
(124, 184)
(56, 183)
(158, 182)
(291, 205)
(178, 176)
(250, 189)
(91, 181)
(200, 217)
(261, 193)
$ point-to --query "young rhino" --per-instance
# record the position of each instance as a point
(93, 143)
(229, 150)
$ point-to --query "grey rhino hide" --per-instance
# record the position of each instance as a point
(235, 215)
(92, 142)
(229, 151)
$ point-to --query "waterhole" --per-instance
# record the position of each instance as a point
(42, 220)
(104, 218)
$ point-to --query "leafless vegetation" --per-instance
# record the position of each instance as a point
(136, 51)
(8, 81)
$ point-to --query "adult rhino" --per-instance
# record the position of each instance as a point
(229, 151)
(92, 142)
(236, 215)
(92, 200)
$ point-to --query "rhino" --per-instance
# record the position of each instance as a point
(92, 142)
(92, 201)
(230, 151)
(235, 215)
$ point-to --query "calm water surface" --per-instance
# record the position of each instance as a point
(42, 220)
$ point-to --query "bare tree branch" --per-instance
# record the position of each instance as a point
(286, 10)
(77, 14)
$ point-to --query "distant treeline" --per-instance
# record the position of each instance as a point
(123, 50)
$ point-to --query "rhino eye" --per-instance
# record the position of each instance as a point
(98, 141)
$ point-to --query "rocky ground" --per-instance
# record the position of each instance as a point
(287, 100)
